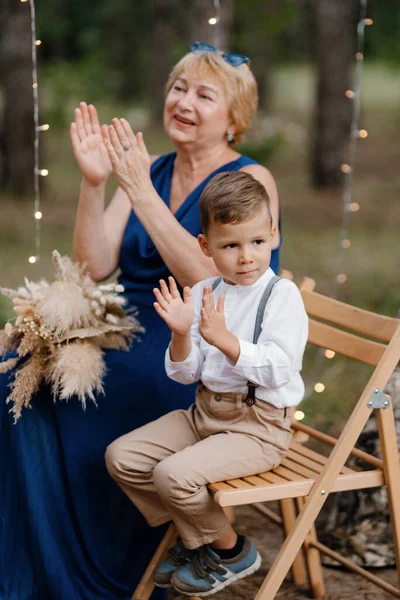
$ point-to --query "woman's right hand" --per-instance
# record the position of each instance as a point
(88, 145)
(178, 313)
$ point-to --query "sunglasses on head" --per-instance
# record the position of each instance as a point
(230, 57)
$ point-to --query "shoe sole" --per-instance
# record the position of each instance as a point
(249, 571)
(163, 585)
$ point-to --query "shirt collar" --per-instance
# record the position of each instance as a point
(261, 282)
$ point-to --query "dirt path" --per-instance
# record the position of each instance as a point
(340, 584)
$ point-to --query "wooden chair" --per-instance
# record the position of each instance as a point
(305, 478)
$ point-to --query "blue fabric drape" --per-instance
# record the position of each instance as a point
(67, 532)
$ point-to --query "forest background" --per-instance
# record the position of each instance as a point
(118, 54)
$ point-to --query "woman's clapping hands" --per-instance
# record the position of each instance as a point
(129, 158)
(87, 138)
(101, 149)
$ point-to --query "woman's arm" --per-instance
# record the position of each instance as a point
(264, 176)
(98, 233)
(178, 248)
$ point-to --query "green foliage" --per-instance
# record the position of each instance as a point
(65, 84)
(262, 151)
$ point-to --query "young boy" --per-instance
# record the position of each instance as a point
(240, 423)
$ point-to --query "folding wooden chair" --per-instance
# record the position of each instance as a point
(305, 478)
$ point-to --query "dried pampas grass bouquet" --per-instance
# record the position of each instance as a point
(59, 333)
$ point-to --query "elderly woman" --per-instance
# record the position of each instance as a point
(68, 532)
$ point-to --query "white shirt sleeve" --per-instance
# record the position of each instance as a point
(277, 356)
(189, 370)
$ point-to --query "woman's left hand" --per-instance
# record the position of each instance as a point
(129, 159)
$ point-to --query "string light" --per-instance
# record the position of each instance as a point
(341, 278)
(348, 169)
(299, 415)
(215, 22)
(319, 387)
(37, 171)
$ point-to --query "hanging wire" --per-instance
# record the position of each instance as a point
(37, 172)
(355, 134)
(215, 21)
(348, 169)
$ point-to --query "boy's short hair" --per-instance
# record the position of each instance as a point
(232, 197)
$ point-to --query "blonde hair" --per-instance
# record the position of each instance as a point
(232, 197)
(238, 84)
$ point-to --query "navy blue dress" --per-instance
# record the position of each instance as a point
(67, 532)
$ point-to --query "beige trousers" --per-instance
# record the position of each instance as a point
(164, 467)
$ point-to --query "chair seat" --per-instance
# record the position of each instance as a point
(294, 477)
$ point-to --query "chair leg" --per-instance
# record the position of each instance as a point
(230, 514)
(391, 466)
(299, 572)
(313, 559)
(146, 586)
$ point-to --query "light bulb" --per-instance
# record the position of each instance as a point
(349, 93)
(32, 259)
(34, 85)
(38, 215)
(354, 207)
(359, 55)
(345, 168)
(212, 21)
(341, 278)
(319, 387)
(299, 415)
(43, 172)
(346, 243)
(329, 353)
(38, 42)
(363, 133)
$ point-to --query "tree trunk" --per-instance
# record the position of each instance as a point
(163, 35)
(17, 130)
(335, 55)
(199, 29)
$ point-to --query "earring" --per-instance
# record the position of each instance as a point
(229, 138)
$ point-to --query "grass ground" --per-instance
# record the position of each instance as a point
(311, 219)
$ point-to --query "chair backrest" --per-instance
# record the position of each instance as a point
(346, 329)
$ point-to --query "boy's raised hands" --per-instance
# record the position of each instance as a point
(212, 323)
(177, 312)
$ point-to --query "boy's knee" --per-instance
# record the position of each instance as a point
(114, 458)
(171, 478)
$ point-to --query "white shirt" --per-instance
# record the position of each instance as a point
(274, 363)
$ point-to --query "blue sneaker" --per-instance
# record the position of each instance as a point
(176, 557)
(206, 573)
